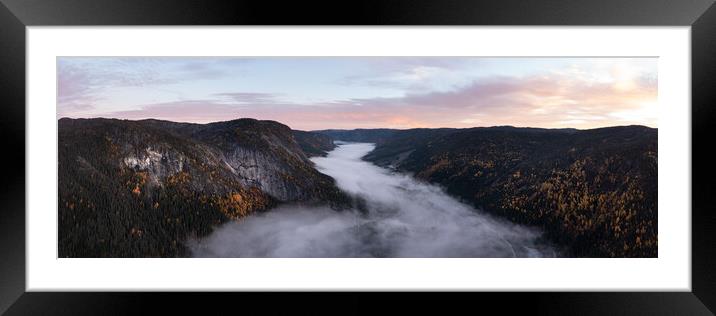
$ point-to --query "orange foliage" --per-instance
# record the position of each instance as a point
(239, 204)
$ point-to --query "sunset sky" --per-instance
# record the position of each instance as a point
(312, 93)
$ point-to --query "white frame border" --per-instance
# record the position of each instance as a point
(670, 272)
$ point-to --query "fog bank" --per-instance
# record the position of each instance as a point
(400, 217)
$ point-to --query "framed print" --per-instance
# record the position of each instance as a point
(556, 157)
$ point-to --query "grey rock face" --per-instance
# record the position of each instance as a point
(259, 169)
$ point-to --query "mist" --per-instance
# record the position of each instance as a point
(399, 217)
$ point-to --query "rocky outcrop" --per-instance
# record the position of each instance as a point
(262, 154)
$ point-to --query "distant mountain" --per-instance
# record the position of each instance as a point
(141, 188)
(360, 135)
(593, 191)
(314, 144)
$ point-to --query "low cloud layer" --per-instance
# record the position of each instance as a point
(400, 217)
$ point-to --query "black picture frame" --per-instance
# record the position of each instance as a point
(16, 15)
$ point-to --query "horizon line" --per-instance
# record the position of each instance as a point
(348, 129)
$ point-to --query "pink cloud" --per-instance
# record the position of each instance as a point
(538, 101)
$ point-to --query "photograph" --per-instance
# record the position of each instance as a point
(360, 157)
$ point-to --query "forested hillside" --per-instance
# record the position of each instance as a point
(593, 191)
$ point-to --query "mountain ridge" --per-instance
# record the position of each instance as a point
(142, 188)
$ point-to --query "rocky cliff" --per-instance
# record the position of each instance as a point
(140, 188)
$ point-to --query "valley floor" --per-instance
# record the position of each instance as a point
(394, 216)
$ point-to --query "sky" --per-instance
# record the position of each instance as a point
(312, 93)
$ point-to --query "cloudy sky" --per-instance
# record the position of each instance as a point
(364, 92)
